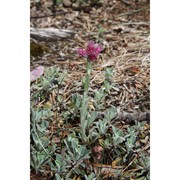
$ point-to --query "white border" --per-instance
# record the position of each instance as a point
(14, 90)
(165, 90)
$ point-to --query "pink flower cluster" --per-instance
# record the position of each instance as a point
(36, 73)
(91, 52)
(98, 151)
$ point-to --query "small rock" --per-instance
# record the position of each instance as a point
(67, 3)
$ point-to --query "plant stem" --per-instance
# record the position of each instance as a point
(88, 73)
(83, 111)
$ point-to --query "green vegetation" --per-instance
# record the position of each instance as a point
(67, 148)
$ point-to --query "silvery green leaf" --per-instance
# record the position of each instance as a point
(53, 168)
(44, 125)
(111, 113)
(130, 142)
(109, 72)
(99, 95)
(37, 116)
(107, 143)
(32, 161)
(42, 159)
(91, 118)
(102, 126)
(36, 142)
(58, 177)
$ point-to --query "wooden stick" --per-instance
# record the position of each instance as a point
(128, 117)
(51, 34)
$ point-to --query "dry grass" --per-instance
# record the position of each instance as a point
(126, 48)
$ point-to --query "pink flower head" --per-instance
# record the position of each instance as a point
(36, 73)
(98, 151)
(97, 148)
(91, 52)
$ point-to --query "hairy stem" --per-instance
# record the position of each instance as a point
(83, 111)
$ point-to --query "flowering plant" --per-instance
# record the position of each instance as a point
(91, 53)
